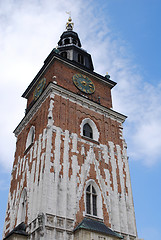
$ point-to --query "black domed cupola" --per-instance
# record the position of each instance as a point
(69, 47)
(69, 36)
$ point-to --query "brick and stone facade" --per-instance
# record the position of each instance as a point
(51, 173)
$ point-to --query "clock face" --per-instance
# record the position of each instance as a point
(83, 83)
(39, 88)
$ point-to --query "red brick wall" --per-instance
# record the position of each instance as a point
(64, 74)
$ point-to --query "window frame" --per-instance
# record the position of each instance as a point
(87, 131)
(99, 200)
(91, 207)
(22, 207)
(30, 138)
(93, 126)
(81, 59)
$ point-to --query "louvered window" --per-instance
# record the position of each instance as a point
(80, 59)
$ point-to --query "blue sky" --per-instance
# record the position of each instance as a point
(123, 37)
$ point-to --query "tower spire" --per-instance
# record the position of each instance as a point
(69, 24)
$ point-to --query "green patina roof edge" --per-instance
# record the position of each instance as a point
(83, 225)
(18, 230)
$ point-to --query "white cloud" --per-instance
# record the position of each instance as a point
(28, 32)
(133, 95)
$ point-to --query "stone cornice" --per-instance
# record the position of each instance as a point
(78, 99)
(85, 102)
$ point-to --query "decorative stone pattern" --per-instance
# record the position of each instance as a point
(50, 220)
(60, 222)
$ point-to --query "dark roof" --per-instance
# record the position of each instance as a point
(20, 230)
(72, 34)
(97, 226)
(77, 50)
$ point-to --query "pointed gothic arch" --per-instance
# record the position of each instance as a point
(93, 199)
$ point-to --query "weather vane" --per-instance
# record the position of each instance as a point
(69, 24)
(69, 13)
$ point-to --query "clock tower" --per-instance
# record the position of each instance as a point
(70, 177)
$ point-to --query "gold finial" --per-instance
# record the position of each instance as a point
(69, 24)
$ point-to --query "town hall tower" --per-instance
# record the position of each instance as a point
(70, 177)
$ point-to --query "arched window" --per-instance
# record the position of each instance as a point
(30, 137)
(91, 200)
(87, 131)
(22, 207)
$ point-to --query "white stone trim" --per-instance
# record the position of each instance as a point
(30, 137)
(99, 198)
(92, 125)
(73, 97)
